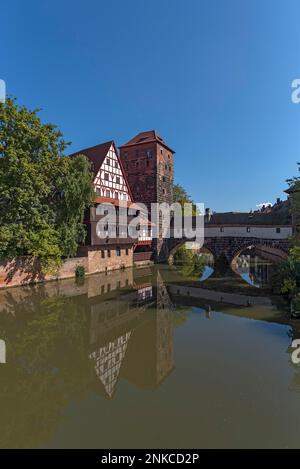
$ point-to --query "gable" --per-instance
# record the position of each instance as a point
(110, 180)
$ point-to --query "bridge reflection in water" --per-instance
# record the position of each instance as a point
(115, 337)
(254, 269)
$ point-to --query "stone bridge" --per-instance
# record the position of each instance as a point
(230, 235)
(231, 247)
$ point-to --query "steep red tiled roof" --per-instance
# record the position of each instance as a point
(95, 154)
(147, 137)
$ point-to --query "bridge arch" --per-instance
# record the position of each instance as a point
(229, 247)
(180, 242)
(274, 251)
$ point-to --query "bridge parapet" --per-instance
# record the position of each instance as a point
(238, 231)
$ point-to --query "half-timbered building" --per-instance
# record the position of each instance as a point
(115, 248)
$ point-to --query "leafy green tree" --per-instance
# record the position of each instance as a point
(286, 277)
(294, 184)
(181, 196)
(43, 193)
(189, 263)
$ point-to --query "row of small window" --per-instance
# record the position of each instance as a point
(108, 162)
(112, 195)
(136, 164)
(167, 167)
(106, 178)
(140, 163)
(149, 153)
(116, 230)
(108, 289)
(108, 252)
(248, 229)
(130, 211)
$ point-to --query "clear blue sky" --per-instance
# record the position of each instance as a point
(213, 77)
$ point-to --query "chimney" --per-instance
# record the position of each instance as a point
(278, 200)
(207, 215)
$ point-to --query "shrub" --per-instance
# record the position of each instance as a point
(286, 278)
(80, 271)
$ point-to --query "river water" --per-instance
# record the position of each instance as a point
(147, 358)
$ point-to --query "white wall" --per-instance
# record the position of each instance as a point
(267, 232)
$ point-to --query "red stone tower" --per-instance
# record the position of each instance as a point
(149, 166)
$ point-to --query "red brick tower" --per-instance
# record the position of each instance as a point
(149, 166)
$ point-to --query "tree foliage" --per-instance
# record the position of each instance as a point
(286, 277)
(43, 192)
(181, 196)
(189, 263)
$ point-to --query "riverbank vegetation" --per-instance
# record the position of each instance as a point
(43, 193)
(286, 277)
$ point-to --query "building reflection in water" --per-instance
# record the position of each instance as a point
(108, 361)
(132, 336)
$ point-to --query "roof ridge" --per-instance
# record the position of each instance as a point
(92, 147)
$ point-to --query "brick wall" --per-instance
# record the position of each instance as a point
(107, 259)
(24, 270)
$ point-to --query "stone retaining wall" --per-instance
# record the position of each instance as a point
(25, 270)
